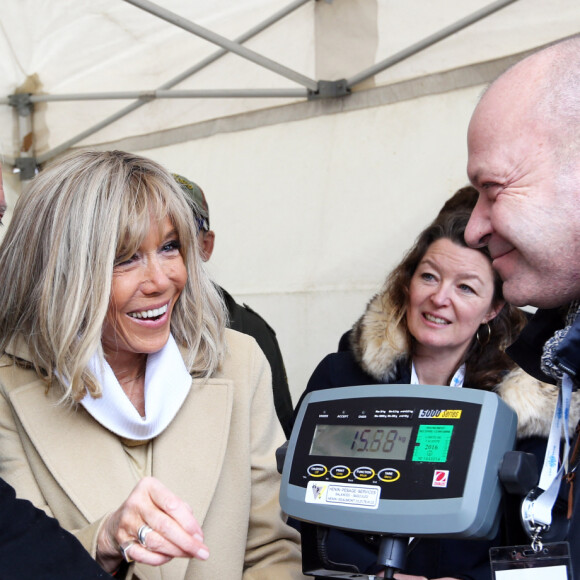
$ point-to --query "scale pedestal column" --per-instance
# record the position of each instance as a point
(392, 554)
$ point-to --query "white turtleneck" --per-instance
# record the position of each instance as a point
(167, 383)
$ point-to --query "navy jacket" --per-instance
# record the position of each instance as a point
(34, 547)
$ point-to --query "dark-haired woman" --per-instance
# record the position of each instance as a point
(440, 319)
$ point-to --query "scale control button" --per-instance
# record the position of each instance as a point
(364, 473)
(389, 474)
(340, 471)
(317, 470)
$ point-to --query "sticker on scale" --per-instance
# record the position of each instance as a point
(440, 478)
(359, 496)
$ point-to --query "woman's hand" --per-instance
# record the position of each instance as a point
(175, 531)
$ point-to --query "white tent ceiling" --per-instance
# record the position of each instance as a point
(312, 199)
(90, 55)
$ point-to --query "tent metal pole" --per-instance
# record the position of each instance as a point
(240, 39)
(234, 47)
(428, 41)
(171, 94)
(172, 82)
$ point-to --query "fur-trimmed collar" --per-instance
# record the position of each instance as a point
(378, 345)
(379, 348)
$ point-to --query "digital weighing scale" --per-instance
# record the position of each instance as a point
(398, 461)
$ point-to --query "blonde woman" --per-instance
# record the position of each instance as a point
(127, 410)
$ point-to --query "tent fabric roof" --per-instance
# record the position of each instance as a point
(91, 47)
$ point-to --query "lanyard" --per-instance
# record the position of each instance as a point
(538, 504)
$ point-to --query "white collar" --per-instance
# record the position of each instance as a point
(167, 384)
(456, 381)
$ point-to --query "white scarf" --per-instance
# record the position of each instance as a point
(167, 384)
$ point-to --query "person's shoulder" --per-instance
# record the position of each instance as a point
(534, 402)
(237, 341)
(15, 372)
(257, 318)
(338, 369)
(345, 341)
(244, 363)
(5, 376)
(244, 318)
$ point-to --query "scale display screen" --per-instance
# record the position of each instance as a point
(368, 441)
(414, 460)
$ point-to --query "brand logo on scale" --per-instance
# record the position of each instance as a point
(440, 478)
(440, 414)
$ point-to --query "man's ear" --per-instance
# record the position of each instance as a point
(493, 311)
(206, 243)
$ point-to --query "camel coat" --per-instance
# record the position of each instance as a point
(218, 455)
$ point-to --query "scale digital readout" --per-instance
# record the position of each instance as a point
(388, 442)
(409, 460)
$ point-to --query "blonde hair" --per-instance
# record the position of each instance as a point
(80, 217)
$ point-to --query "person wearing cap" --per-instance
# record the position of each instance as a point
(241, 317)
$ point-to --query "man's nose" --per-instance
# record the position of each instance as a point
(478, 230)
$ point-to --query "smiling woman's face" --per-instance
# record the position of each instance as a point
(144, 291)
(450, 295)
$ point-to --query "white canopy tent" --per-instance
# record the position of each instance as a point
(325, 137)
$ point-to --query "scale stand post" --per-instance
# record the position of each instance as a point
(392, 554)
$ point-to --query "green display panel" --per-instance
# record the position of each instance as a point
(432, 443)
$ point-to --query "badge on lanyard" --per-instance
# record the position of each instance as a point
(539, 561)
(551, 562)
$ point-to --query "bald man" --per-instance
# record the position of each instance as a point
(524, 160)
